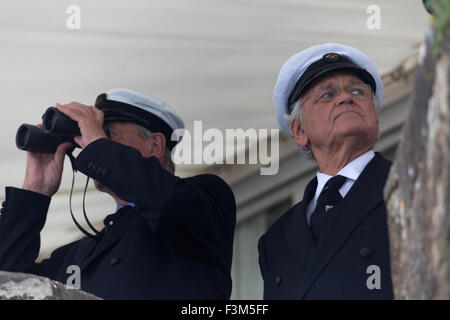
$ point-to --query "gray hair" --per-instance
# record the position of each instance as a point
(167, 157)
(297, 114)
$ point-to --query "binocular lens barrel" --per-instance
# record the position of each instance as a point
(57, 128)
(54, 121)
(23, 136)
(34, 139)
(49, 120)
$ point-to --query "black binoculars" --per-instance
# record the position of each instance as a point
(57, 128)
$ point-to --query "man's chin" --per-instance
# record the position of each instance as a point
(99, 186)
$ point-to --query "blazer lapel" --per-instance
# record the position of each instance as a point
(298, 236)
(86, 247)
(365, 194)
(110, 237)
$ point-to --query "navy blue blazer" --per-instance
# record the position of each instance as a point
(177, 242)
(293, 266)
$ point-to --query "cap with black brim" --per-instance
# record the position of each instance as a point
(329, 62)
(141, 110)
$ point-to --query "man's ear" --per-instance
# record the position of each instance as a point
(298, 133)
(158, 144)
(378, 129)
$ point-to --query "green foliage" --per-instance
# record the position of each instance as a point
(441, 23)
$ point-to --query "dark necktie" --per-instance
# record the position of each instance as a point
(329, 197)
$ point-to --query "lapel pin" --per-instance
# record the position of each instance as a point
(327, 207)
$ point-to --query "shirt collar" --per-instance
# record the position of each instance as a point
(120, 206)
(354, 168)
(351, 171)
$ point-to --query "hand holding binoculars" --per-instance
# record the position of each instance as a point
(57, 128)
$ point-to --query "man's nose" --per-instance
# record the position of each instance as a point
(344, 98)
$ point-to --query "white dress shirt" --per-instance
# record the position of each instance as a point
(351, 171)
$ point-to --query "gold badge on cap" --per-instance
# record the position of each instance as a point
(331, 57)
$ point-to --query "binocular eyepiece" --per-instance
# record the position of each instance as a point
(57, 128)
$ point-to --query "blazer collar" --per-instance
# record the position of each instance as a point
(111, 233)
(298, 235)
(366, 194)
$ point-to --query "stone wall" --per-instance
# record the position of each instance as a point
(417, 192)
(22, 286)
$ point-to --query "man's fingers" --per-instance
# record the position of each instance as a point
(73, 114)
(97, 113)
(74, 110)
(63, 147)
(61, 151)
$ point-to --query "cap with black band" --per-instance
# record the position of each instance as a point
(152, 114)
(330, 61)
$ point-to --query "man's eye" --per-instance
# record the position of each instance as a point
(357, 92)
(326, 95)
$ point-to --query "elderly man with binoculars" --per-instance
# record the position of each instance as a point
(170, 238)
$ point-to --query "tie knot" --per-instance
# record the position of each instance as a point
(335, 182)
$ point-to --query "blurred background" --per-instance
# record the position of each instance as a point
(211, 60)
